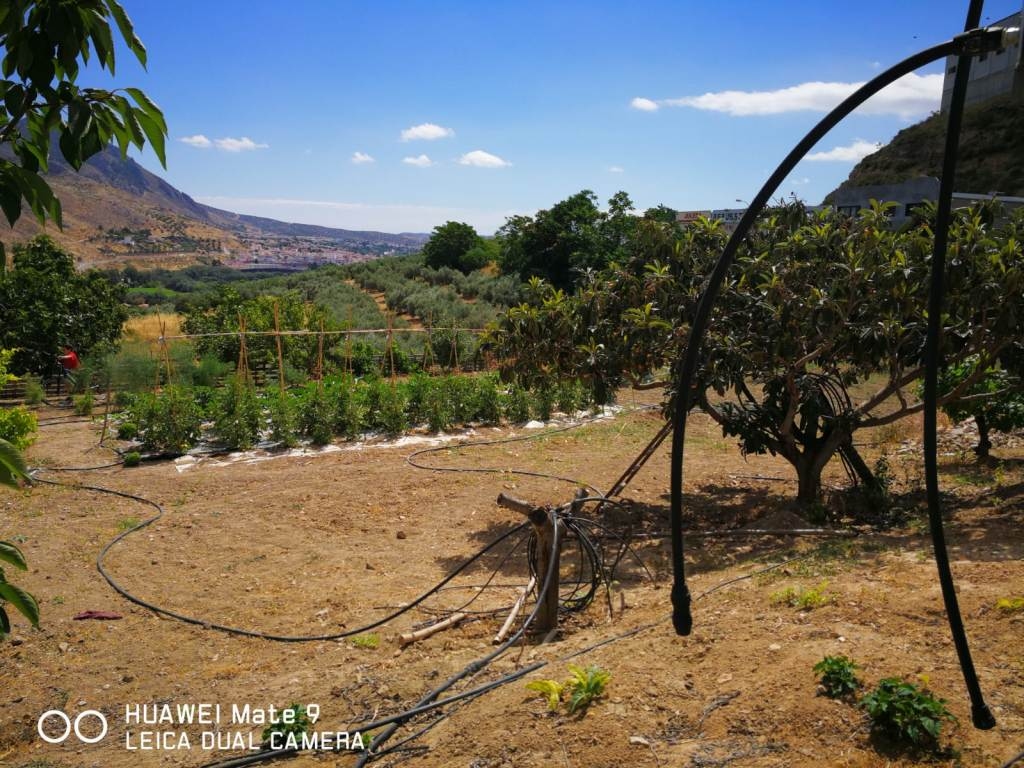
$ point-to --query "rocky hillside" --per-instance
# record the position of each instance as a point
(116, 211)
(991, 152)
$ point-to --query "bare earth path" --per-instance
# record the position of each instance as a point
(323, 542)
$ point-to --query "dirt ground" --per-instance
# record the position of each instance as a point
(324, 542)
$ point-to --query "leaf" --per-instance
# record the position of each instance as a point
(12, 465)
(5, 623)
(154, 134)
(124, 24)
(148, 106)
(11, 554)
(22, 600)
(551, 689)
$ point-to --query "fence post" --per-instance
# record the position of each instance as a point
(544, 520)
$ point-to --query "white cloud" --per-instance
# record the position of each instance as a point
(852, 153)
(244, 144)
(427, 132)
(911, 96)
(616, 169)
(361, 158)
(420, 161)
(644, 105)
(386, 217)
(481, 159)
(196, 141)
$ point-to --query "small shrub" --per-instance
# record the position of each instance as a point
(34, 392)
(544, 402)
(838, 676)
(238, 418)
(366, 640)
(300, 724)
(906, 713)
(570, 397)
(83, 404)
(1010, 604)
(315, 416)
(127, 430)
(488, 401)
(132, 459)
(439, 408)
(17, 426)
(349, 404)
(282, 419)
(517, 404)
(169, 422)
(393, 419)
(209, 370)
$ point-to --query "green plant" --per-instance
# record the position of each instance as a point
(22, 601)
(127, 430)
(132, 459)
(583, 686)
(315, 415)
(17, 426)
(838, 676)
(803, 598)
(517, 404)
(366, 640)
(1010, 604)
(544, 401)
(550, 689)
(83, 404)
(127, 523)
(34, 392)
(906, 713)
(293, 721)
(170, 422)
(282, 419)
(238, 417)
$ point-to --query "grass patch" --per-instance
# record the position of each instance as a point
(366, 640)
(127, 523)
(805, 599)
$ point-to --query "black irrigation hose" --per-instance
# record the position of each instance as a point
(969, 43)
(1013, 761)
(981, 715)
(238, 630)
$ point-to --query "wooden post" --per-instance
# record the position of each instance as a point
(280, 354)
(544, 522)
(320, 357)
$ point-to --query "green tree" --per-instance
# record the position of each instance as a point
(561, 243)
(46, 305)
(44, 43)
(449, 244)
(995, 400)
(813, 305)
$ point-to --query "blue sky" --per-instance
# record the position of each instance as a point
(477, 110)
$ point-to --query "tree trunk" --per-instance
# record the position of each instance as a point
(809, 481)
(859, 466)
(982, 448)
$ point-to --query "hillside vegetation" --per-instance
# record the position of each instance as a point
(991, 152)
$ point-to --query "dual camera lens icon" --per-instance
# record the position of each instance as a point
(69, 726)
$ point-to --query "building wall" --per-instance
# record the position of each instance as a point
(994, 74)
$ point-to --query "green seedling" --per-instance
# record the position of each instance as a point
(838, 676)
(906, 713)
(367, 640)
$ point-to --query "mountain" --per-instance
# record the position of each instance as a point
(117, 212)
(991, 152)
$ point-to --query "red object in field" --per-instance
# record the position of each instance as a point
(69, 359)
